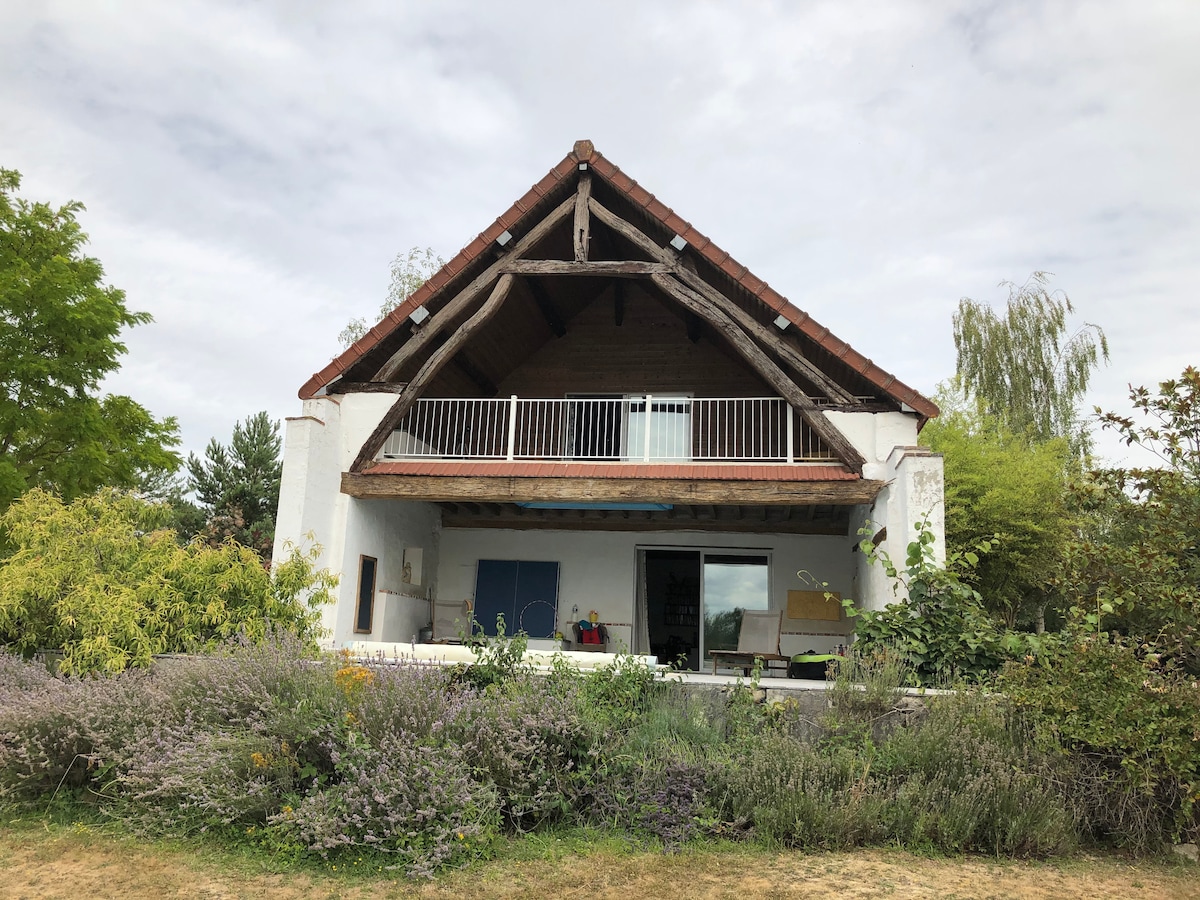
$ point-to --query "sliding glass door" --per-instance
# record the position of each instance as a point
(732, 583)
(691, 601)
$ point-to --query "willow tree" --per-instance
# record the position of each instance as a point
(410, 270)
(1026, 365)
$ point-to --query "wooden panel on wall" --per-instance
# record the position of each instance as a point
(648, 352)
(814, 605)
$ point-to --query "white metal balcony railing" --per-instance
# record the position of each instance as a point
(629, 429)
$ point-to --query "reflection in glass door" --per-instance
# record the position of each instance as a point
(732, 583)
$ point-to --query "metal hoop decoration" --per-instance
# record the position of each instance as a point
(530, 604)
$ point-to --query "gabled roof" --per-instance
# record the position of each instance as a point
(529, 209)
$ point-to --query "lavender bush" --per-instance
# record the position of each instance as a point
(422, 805)
(66, 732)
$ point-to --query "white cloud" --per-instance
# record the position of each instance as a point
(250, 169)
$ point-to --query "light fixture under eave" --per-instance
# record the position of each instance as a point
(649, 507)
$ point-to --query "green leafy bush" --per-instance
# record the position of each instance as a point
(1130, 721)
(97, 579)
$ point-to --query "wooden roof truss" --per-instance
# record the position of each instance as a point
(669, 270)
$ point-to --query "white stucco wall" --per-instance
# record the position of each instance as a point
(598, 570)
(913, 492)
(318, 447)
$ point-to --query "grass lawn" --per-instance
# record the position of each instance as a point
(72, 861)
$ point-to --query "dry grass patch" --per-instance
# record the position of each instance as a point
(73, 863)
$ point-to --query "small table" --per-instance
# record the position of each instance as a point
(747, 660)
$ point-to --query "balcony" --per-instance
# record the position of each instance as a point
(639, 429)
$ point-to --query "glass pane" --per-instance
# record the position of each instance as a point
(670, 430)
(731, 584)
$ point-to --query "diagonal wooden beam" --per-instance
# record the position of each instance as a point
(583, 218)
(432, 366)
(761, 332)
(770, 372)
(462, 300)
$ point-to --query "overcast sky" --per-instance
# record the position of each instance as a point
(250, 169)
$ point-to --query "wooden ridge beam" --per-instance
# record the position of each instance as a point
(711, 493)
(458, 304)
(604, 268)
(581, 232)
(432, 366)
(761, 332)
(761, 363)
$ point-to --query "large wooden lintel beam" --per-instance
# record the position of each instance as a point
(761, 332)
(605, 268)
(510, 489)
(458, 304)
(433, 365)
(771, 373)
(581, 233)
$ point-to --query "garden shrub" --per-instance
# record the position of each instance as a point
(1129, 720)
(180, 779)
(331, 756)
(418, 702)
(423, 805)
(64, 732)
(101, 580)
(528, 743)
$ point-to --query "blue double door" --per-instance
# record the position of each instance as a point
(525, 593)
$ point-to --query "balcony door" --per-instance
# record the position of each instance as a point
(594, 427)
(669, 436)
(628, 428)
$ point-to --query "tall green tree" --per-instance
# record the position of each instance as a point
(1001, 484)
(60, 329)
(410, 270)
(1137, 571)
(1026, 365)
(238, 485)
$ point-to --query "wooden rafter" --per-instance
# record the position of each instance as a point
(761, 332)
(761, 363)
(581, 232)
(462, 300)
(432, 366)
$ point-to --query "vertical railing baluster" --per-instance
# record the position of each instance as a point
(512, 426)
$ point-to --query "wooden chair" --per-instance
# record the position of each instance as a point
(758, 640)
